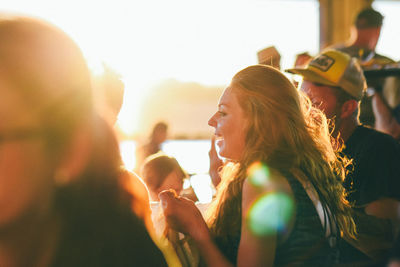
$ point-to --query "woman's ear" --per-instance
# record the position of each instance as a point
(348, 108)
(75, 157)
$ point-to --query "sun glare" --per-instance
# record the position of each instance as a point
(198, 41)
(188, 40)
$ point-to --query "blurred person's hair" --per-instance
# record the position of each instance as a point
(51, 74)
(161, 166)
(368, 18)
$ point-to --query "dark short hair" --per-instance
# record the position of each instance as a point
(368, 18)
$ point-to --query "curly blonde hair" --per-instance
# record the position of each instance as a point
(286, 133)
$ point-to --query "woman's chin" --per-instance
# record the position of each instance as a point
(229, 155)
(223, 153)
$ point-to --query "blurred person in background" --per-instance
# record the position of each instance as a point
(380, 108)
(161, 172)
(63, 200)
(158, 136)
(281, 167)
(386, 105)
(364, 38)
(108, 93)
(269, 56)
(301, 60)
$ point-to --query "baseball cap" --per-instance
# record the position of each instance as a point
(334, 68)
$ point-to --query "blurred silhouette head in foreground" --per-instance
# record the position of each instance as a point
(63, 200)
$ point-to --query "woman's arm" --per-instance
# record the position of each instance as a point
(255, 249)
(266, 206)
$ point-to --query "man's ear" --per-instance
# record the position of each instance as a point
(348, 108)
(75, 157)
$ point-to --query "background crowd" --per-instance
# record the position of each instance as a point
(306, 174)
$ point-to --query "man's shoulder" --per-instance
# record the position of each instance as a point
(367, 138)
(381, 59)
(347, 49)
(364, 54)
(353, 51)
(367, 131)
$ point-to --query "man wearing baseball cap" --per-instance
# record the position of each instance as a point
(330, 79)
(335, 83)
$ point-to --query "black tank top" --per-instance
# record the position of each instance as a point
(307, 244)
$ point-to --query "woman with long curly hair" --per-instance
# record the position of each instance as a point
(280, 201)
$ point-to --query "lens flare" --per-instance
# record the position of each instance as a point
(270, 213)
(258, 174)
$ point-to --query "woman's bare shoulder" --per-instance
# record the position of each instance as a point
(262, 180)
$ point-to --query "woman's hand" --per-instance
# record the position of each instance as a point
(182, 215)
(215, 163)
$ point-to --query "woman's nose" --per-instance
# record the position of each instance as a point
(211, 121)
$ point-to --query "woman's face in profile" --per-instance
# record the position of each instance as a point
(25, 176)
(230, 125)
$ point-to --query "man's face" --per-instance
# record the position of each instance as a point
(371, 36)
(322, 97)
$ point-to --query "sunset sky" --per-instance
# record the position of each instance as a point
(189, 40)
